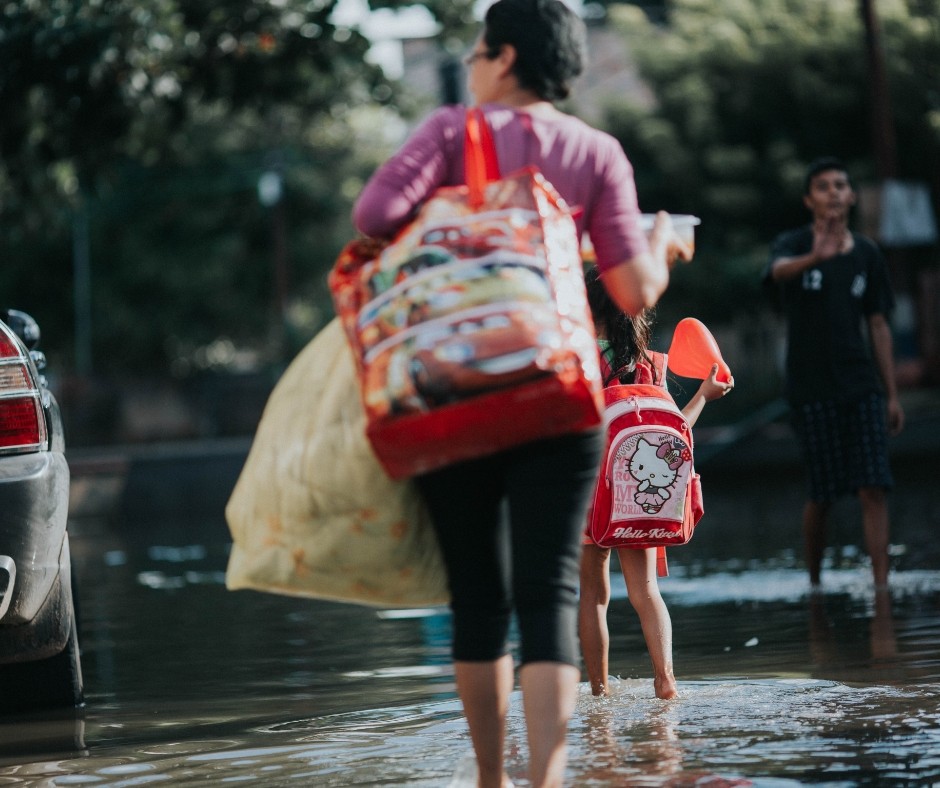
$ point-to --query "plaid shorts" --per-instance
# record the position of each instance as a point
(845, 445)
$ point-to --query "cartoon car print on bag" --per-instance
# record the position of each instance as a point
(496, 350)
(449, 291)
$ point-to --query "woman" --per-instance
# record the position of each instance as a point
(510, 524)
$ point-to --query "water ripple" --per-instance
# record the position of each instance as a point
(773, 732)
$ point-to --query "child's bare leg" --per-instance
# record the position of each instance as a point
(592, 615)
(639, 571)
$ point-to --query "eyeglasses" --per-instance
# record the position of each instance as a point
(473, 57)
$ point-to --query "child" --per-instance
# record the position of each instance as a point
(625, 358)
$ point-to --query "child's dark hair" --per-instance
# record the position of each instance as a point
(823, 164)
(549, 39)
(629, 337)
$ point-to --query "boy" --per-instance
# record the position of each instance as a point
(843, 397)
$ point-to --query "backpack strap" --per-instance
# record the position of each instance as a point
(654, 372)
(650, 374)
(660, 361)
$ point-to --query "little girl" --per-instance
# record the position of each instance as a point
(625, 358)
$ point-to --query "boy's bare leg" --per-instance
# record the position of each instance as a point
(814, 537)
(877, 531)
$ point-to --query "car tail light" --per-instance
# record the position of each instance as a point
(22, 422)
(8, 348)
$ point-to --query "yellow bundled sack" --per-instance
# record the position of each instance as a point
(313, 513)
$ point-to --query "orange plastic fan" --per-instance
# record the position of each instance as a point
(694, 350)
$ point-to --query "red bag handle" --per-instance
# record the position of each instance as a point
(480, 163)
(662, 565)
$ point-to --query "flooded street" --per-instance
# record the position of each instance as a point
(187, 682)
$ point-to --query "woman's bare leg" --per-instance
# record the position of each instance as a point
(484, 689)
(549, 695)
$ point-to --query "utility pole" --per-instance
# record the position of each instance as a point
(882, 125)
(271, 194)
(81, 273)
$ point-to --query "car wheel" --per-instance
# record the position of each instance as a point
(54, 682)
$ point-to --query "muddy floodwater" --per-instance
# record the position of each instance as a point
(188, 683)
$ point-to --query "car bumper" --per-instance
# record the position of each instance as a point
(47, 633)
(34, 494)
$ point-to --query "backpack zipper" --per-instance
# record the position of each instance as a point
(638, 405)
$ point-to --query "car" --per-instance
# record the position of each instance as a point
(483, 354)
(40, 663)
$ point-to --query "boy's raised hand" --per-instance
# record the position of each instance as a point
(829, 237)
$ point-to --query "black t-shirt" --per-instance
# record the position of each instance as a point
(827, 352)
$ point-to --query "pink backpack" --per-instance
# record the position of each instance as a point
(648, 493)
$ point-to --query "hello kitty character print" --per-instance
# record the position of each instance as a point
(648, 469)
(655, 469)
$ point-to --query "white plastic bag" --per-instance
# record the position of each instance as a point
(313, 513)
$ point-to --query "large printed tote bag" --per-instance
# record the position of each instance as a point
(471, 330)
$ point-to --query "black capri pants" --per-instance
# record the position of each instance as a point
(510, 527)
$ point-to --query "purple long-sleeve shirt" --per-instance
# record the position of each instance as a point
(587, 167)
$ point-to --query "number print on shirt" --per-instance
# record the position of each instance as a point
(858, 285)
(812, 279)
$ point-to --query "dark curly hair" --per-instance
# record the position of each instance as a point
(549, 39)
(629, 337)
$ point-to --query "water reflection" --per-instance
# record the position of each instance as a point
(188, 682)
(884, 642)
(49, 733)
(764, 730)
(882, 638)
(748, 732)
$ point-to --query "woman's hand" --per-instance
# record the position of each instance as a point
(636, 284)
(666, 242)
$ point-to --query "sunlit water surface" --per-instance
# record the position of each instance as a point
(189, 683)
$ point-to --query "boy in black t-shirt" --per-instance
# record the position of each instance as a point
(843, 397)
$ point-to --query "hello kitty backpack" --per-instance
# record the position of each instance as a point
(648, 493)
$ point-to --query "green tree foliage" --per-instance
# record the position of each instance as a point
(155, 121)
(88, 84)
(747, 93)
(456, 17)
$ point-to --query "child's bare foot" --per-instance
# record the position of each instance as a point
(600, 689)
(665, 687)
